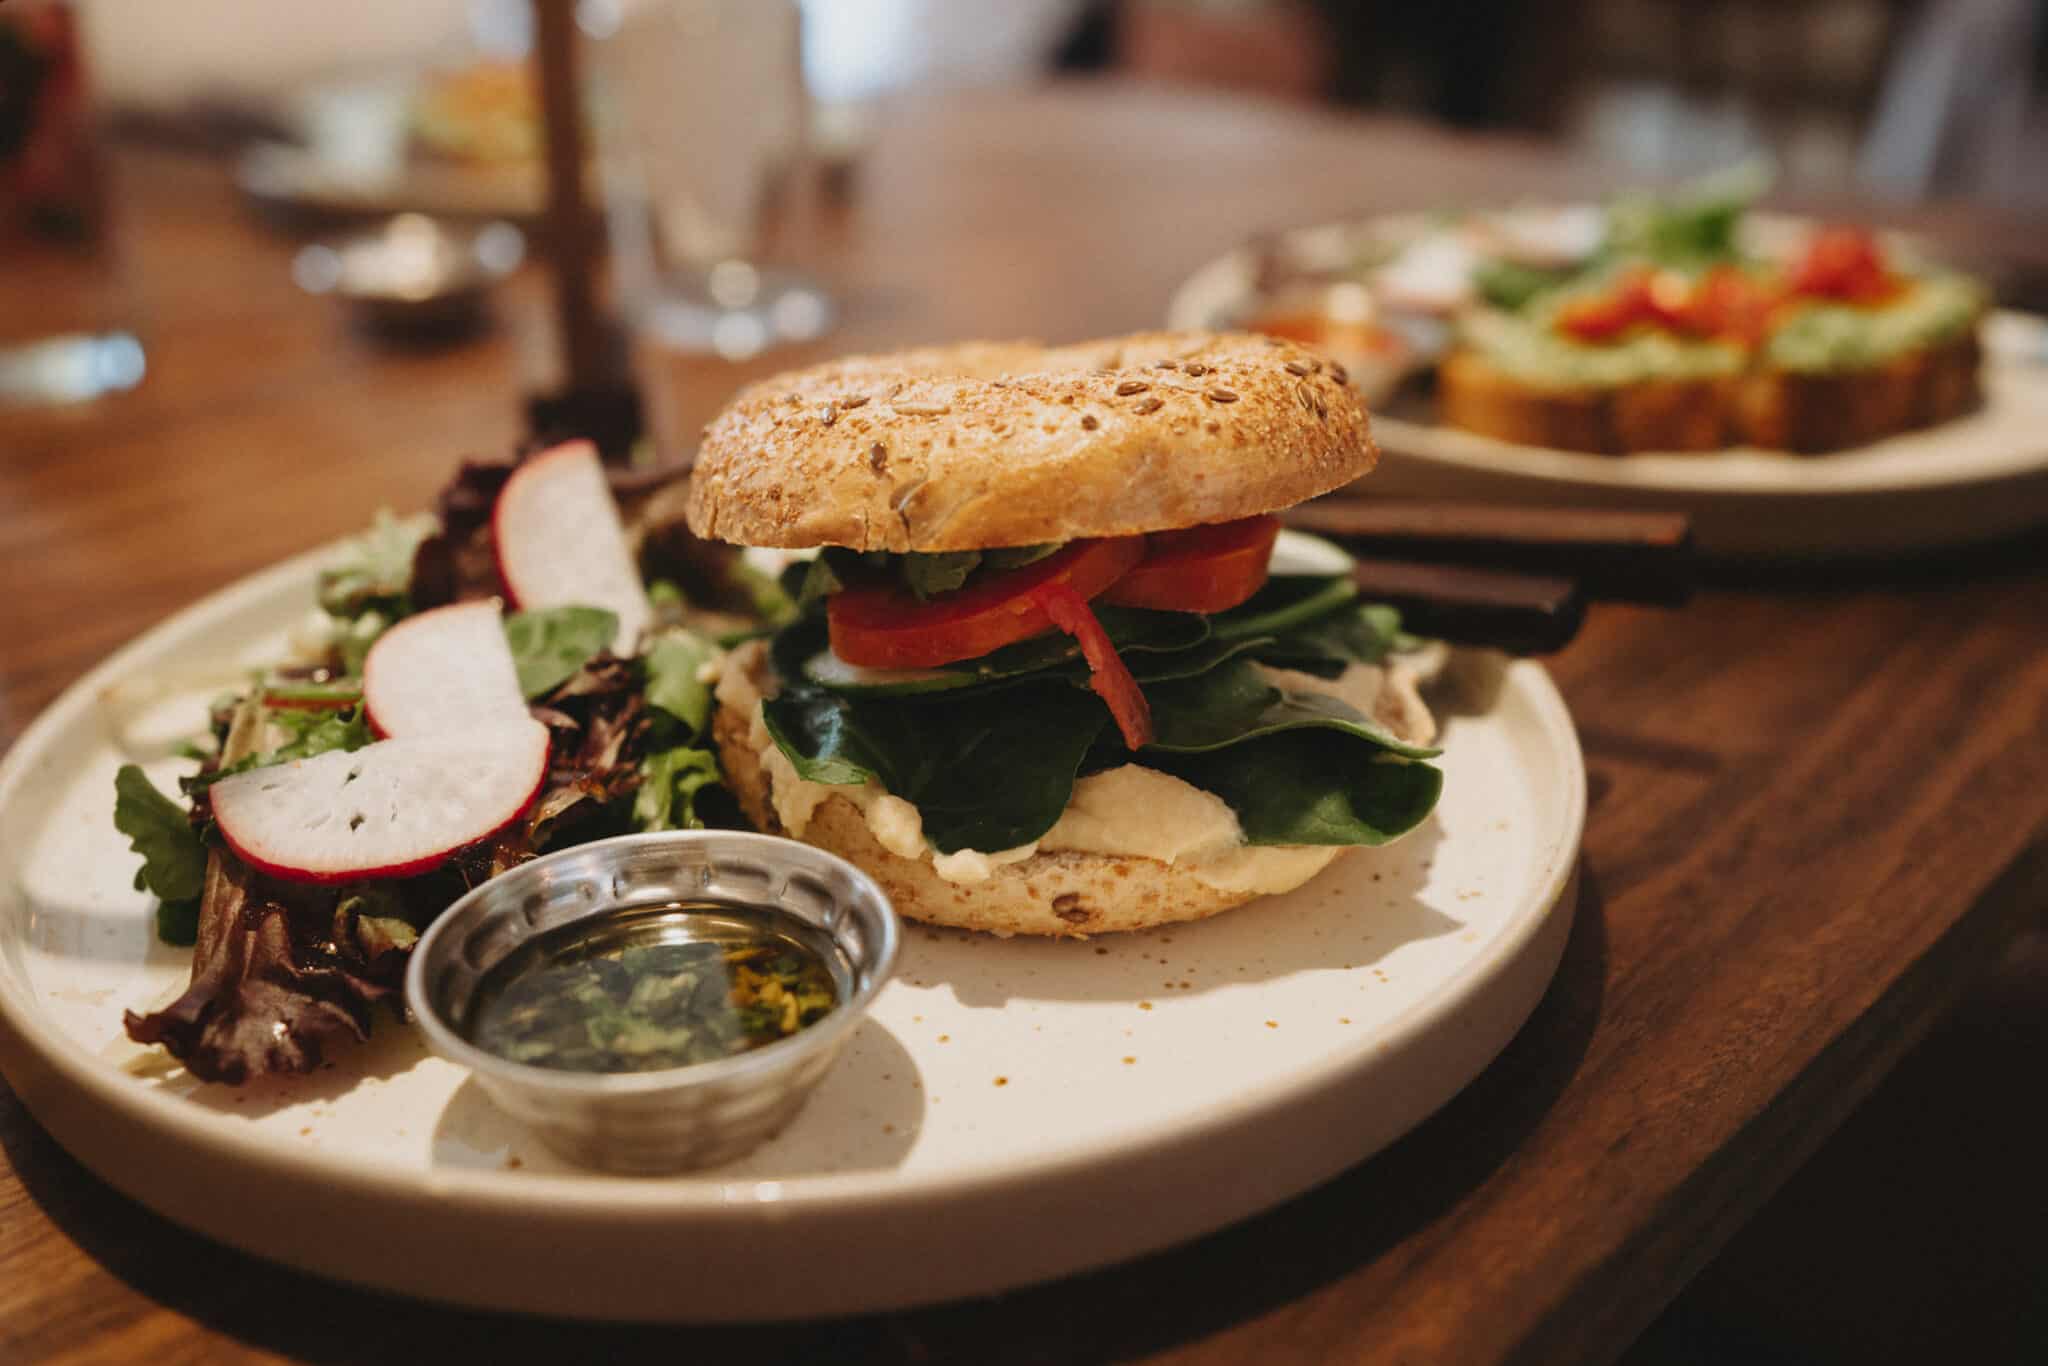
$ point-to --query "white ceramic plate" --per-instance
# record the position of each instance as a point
(1012, 1111)
(1978, 477)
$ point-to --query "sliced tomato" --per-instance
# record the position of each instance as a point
(883, 626)
(1107, 673)
(1201, 569)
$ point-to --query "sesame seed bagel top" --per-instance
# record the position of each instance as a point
(1008, 443)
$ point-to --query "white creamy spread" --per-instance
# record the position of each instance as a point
(1129, 811)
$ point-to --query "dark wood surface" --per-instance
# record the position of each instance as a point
(1816, 806)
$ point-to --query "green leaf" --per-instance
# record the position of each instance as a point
(1295, 787)
(308, 731)
(173, 857)
(177, 922)
(1361, 634)
(672, 663)
(1234, 703)
(549, 646)
(988, 771)
(669, 783)
(771, 604)
(376, 571)
(1287, 601)
(930, 575)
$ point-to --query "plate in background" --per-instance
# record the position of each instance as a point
(1975, 478)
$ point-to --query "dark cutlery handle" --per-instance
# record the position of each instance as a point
(1619, 556)
(1523, 614)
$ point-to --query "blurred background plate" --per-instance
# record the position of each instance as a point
(365, 147)
(1972, 479)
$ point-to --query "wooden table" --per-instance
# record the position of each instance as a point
(1817, 806)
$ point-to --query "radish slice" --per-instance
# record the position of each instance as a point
(448, 669)
(560, 544)
(390, 809)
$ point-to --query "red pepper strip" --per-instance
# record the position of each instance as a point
(1107, 674)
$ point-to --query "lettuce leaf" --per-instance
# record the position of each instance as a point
(376, 574)
(308, 731)
(549, 646)
(672, 663)
(669, 783)
(173, 856)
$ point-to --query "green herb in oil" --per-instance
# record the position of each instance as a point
(661, 987)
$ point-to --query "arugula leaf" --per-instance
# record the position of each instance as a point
(1233, 703)
(1286, 601)
(669, 783)
(173, 856)
(986, 772)
(1295, 787)
(551, 645)
(377, 574)
(672, 662)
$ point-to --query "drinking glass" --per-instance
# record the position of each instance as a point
(701, 115)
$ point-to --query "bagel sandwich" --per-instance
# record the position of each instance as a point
(1046, 674)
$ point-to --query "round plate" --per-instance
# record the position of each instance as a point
(1012, 1111)
(1974, 478)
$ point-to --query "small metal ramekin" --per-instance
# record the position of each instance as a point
(678, 1117)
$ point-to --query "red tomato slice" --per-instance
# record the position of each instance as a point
(882, 626)
(1201, 569)
(1107, 674)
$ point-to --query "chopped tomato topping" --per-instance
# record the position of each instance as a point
(1200, 569)
(883, 626)
(1107, 674)
(1604, 317)
(1845, 264)
(1723, 302)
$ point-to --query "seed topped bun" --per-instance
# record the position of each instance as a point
(991, 444)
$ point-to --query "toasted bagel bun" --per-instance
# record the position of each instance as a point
(1065, 893)
(994, 444)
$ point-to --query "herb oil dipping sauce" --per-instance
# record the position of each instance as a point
(658, 1001)
(657, 986)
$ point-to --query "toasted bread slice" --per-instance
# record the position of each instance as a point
(1788, 410)
(1654, 415)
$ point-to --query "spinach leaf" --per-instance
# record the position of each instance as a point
(173, 857)
(1295, 787)
(1364, 633)
(1232, 703)
(673, 686)
(551, 645)
(988, 771)
(669, 783)
(1286, 601)
(1131, 630)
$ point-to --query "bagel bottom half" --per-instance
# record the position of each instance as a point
(1060, 893)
